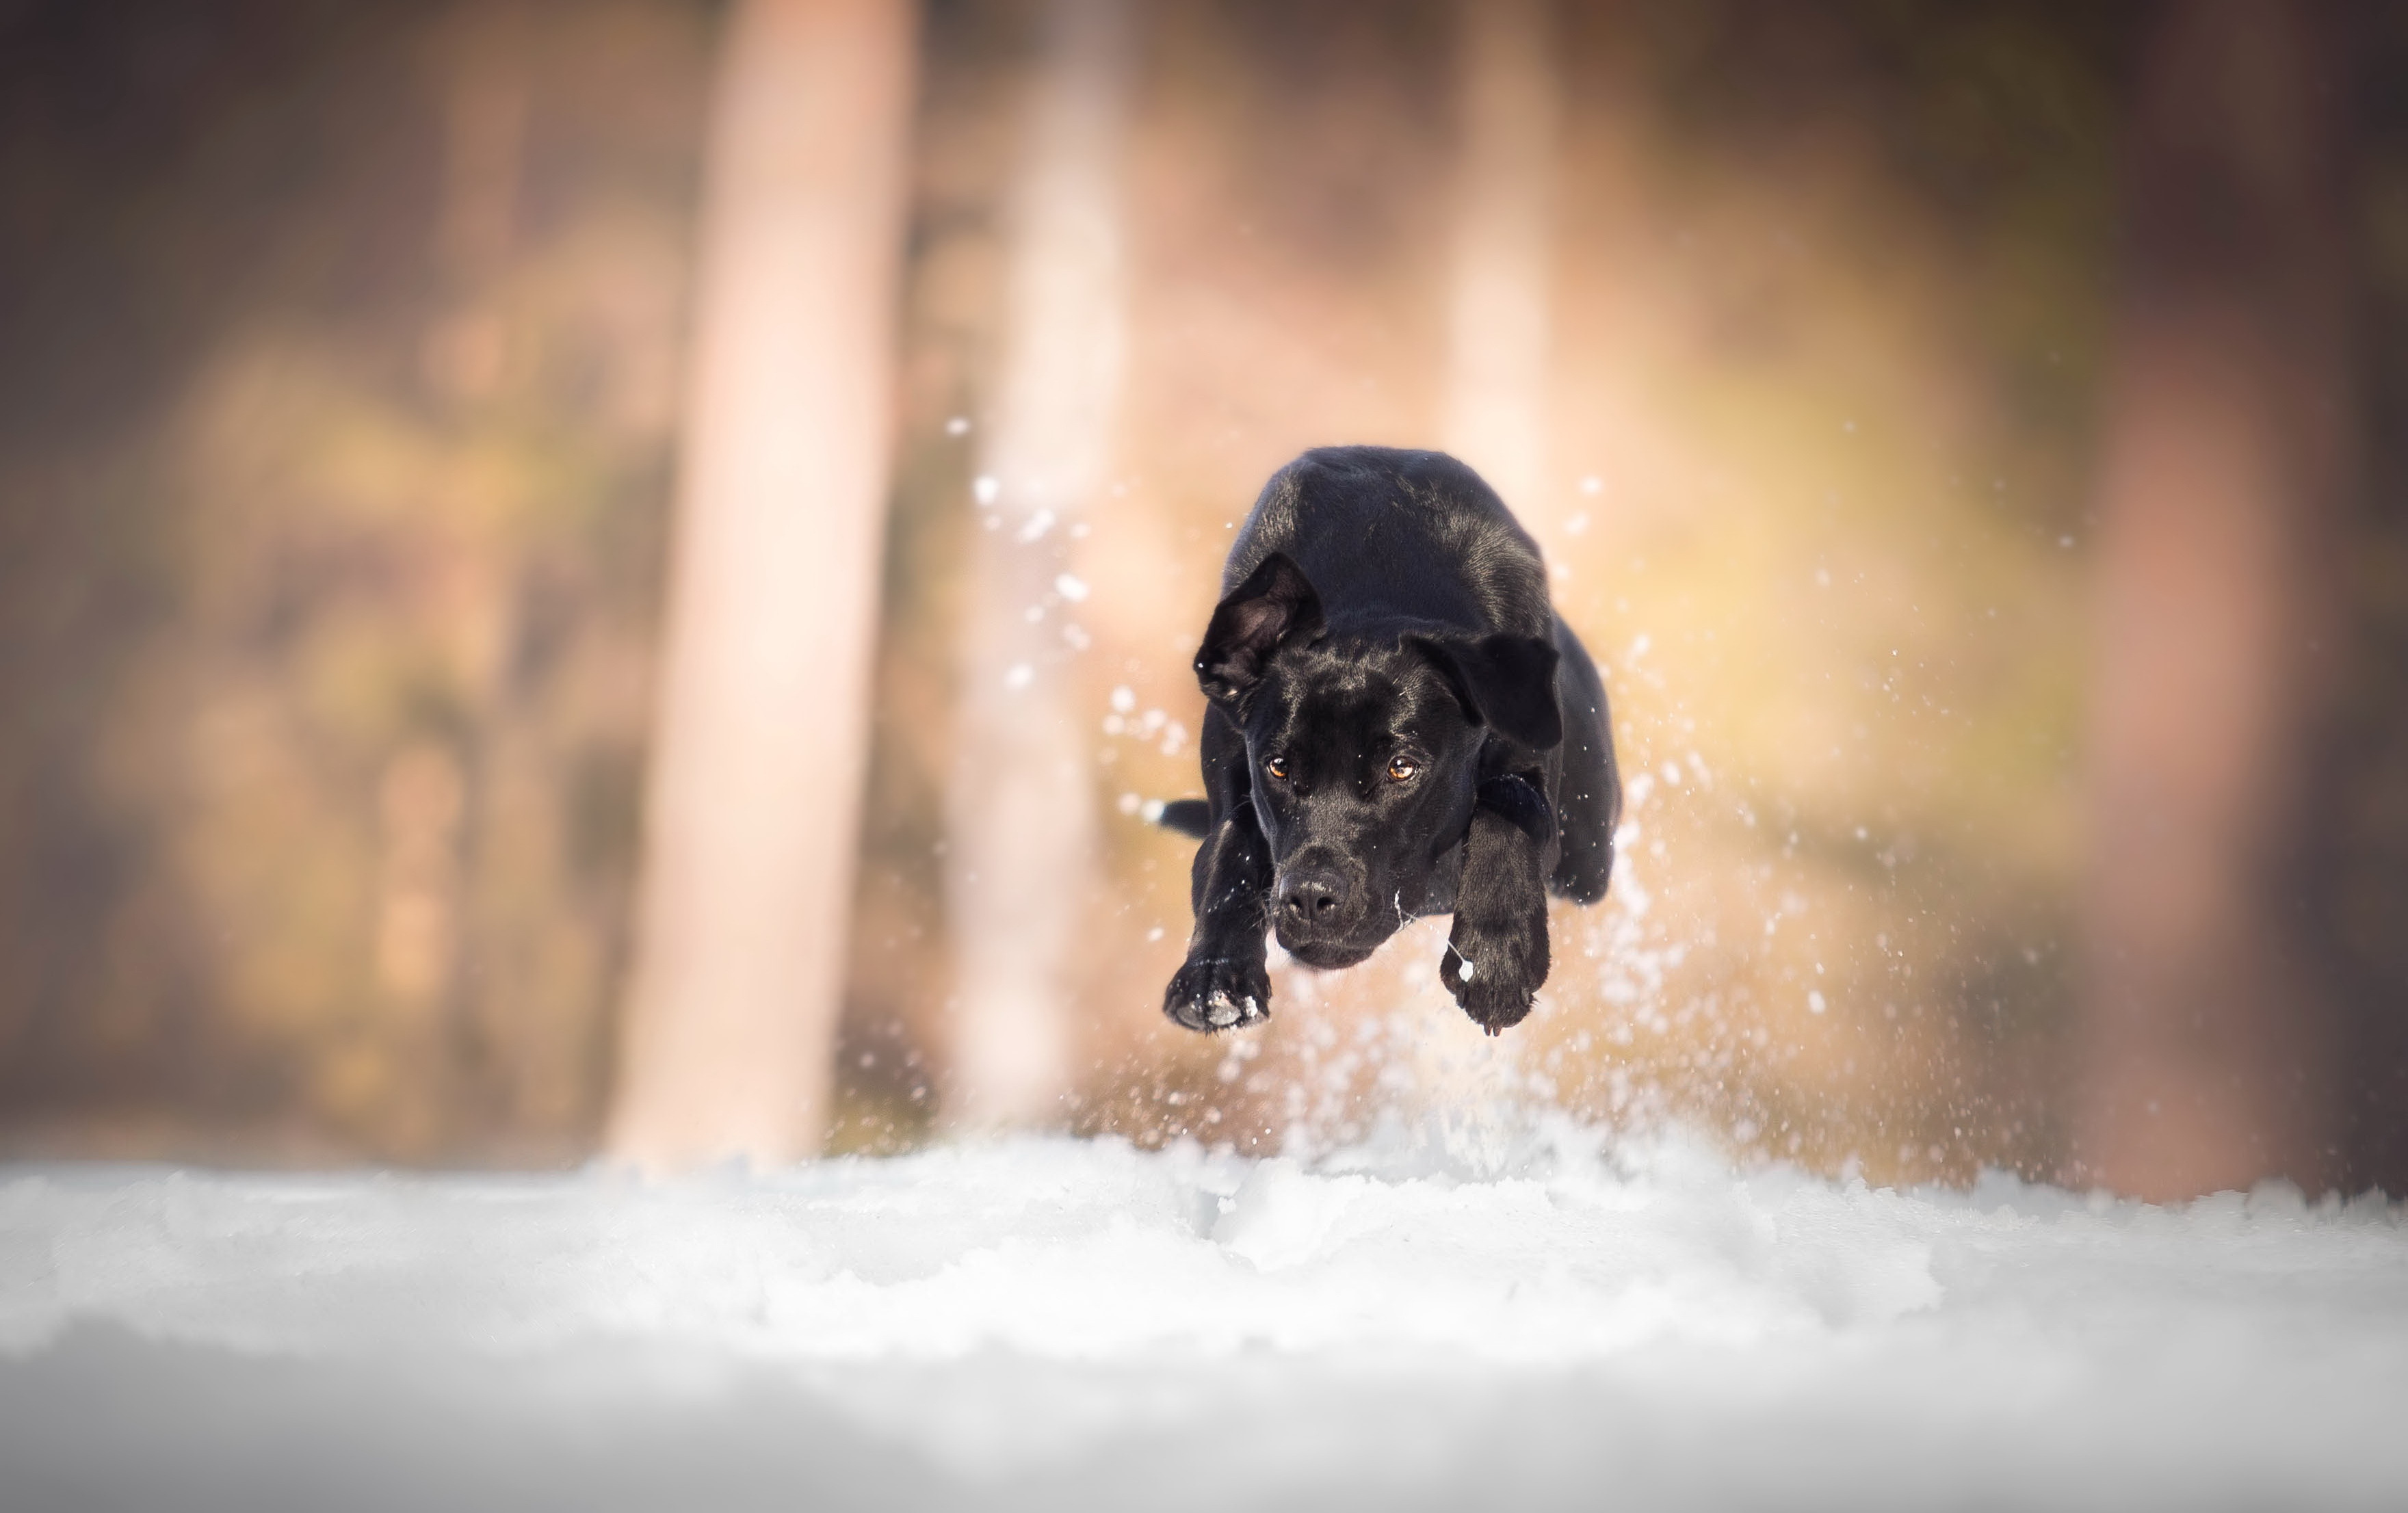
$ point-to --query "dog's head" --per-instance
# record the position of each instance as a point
(1362, 753)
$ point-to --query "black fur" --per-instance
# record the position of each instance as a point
(1396, 725)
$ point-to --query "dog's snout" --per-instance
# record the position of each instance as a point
(1314, 897)
(1317, 908)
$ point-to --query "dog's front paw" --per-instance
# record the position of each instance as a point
(1219, 992)
(1495, 972)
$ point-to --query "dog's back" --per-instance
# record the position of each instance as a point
(1387, 534)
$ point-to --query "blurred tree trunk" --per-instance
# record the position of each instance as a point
(759, 756)
(2208, 1045)
(1021, 833)
(1508, 104)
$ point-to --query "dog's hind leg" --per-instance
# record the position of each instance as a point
(1224, 983)
(1497, 954)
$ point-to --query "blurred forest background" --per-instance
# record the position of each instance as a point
(342, 356)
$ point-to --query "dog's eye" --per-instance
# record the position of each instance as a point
(1276, 768)
(1402, 769)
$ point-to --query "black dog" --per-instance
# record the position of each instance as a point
(1398, 726)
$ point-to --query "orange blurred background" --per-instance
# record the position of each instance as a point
(344, 388)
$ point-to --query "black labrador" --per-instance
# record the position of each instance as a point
(1397, 725)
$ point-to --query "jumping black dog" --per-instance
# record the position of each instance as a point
(1397, 725)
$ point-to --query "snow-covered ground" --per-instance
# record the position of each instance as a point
(1537, 1320)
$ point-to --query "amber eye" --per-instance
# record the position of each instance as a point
(1276, 768)
(1402, 769)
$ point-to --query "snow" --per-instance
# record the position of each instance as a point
(1448, 1317)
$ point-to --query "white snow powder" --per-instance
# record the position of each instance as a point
(1556, 1322)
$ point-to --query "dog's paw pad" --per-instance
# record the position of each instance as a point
(1218, 994)
(1221, 1011)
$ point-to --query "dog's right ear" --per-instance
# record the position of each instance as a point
(1276, 604)
(1505, 682)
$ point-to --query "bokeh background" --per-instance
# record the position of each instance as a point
(343, 356)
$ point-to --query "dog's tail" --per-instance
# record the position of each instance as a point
(1188, 816)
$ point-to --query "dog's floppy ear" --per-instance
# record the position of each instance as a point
(1505, 682)
(1274, 605)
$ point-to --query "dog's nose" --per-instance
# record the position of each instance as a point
(1312, 898)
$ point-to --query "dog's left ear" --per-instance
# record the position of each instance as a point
(1505, 682)
(1275, 605)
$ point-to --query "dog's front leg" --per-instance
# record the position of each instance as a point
(1497, 954)
(1224, 983)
